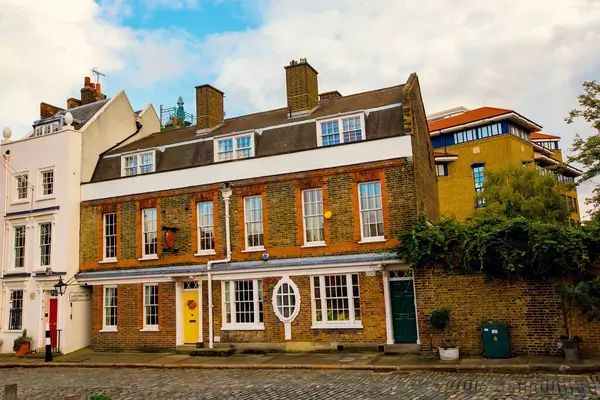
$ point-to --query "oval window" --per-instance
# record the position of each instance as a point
(285, 300)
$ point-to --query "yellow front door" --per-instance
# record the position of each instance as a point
(191, 313)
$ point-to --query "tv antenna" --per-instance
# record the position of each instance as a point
(98, 74)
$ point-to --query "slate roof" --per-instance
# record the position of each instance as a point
(81, 114)
(293, 137)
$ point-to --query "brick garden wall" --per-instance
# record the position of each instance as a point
(531, 310)
(130, 320)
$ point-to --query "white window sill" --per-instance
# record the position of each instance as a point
(51, 197)
(19, 270)
(108, 329)
(108, 261)
(243, 327)
(42, 268)
(313, 244)
(148, 258)
(20, 201)
(150, 329)
(205, 253)
(380, 239)
(253, 249)
(337, 326)
(14, 331)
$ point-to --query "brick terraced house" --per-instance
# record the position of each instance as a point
(273, 229)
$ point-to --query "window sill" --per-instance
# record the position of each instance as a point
(150, 329)
(148, 258)
(19, 331)
(337, 326)
(313, 244)
(108, 261)
(372, 240)
(20, 201)
(244, 327)
(46, 198)
(253, 249)
(205, 253)
(105, 330)
(19, 270)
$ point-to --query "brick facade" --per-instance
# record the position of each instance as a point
(209, 107)
(282, 219)
(302, 86)
(130, 320)
(530, 308)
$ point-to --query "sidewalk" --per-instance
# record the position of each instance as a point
(354, 361)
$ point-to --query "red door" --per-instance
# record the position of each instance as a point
(52, 320)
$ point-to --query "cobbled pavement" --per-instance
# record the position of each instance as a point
(125, 384)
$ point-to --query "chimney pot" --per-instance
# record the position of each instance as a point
(98, 88)
(86, 81)
(302, 86)
(209, 107)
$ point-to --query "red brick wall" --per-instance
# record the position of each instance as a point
(530, 308)
(130, 320)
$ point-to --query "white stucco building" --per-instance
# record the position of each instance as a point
(40, 179)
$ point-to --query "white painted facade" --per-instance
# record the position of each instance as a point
(71, 156)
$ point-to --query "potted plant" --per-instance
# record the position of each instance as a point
(570, 293)
(439, 322)
(22, 344)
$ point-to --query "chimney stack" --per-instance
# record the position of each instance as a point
(209, 107)
(334, 94)
(72, 102)
(48, 110)
(90, 92)
(302, 86)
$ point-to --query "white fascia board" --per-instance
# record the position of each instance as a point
(102, 110)
(446, 159)
(486, 121)
(302, 161)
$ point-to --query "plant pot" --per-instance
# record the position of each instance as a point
(449, 354)
(571, 349)
(24, 349)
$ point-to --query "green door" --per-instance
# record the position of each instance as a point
(403, 311)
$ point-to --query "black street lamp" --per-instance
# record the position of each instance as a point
(60, 287)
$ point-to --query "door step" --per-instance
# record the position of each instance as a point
(403, 348)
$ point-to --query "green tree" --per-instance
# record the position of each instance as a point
(587, 151)
(522, 192)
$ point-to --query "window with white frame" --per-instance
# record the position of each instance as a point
(441, 169)
(110, 308)
(136, 164)
(22, 186)
(45, 244)
(47, 182)
(149, 234)
(336, 300)
(371, 210)
(15, 313)
(206, 228)
(151, 307)
(109, 238)
(234, 147)
(341, 130)
(243, 304)
(47, 128)
(19, 233)
(253, 222)
(312, 209)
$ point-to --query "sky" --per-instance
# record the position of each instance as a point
(531, 56)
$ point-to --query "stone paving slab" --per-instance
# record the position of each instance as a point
(142, 383)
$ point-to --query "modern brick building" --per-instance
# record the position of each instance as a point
(271, 229)
(469, 142)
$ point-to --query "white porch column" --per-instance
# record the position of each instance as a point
(200, 333)
(178, 313)
(388, 308)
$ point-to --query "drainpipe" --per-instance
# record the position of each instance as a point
(226, 192)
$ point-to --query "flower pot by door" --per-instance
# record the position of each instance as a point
(571, 349)
(23, 349)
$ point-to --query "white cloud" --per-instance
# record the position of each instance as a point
(48, 47)
(531, 56)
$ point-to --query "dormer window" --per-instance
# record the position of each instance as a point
(346, 129)
(136, 164)
(45, 129)
(234, 147)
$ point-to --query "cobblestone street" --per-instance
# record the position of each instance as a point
(121, 383)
